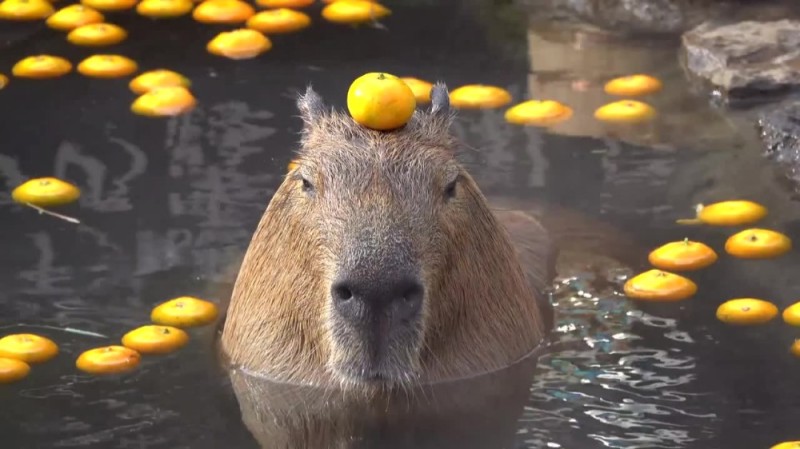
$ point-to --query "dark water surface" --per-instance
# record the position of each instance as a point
(169, 205)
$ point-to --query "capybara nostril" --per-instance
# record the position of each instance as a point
(358, 300)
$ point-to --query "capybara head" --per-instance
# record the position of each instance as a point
(378, 262)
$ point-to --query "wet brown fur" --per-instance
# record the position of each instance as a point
(481, 310)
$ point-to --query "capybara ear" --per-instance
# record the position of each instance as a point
(310, 105)
(440, 99)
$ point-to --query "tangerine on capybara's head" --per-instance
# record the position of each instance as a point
(378, 264)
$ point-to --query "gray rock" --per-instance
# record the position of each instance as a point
(779, 129)
(629, 16)
(745, 60)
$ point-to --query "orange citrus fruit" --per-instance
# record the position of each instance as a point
(107, 66)
(633, 85)
(685, 255)
(164, 9)
(223, 11)
(12, 370)
(757, 243)
(184, 311)
(239, 44)
(97, 35)
(25, 9)
(731, 213)
(151, 79)
(41, 67)
(279, 21)
(380, 101)
(746, 311)
(538, 113)
(658, 285)
(479, 96)
(30, 348)
(73, 16)
(421, 89)
(153, 339)
(46, 192)
(112, 359)
(164, 101)
(110, 5)
(625, 111)
(354, 11)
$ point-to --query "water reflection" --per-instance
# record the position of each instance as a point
(475, 413)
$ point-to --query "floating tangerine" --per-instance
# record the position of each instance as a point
(685, 255)
(12, 370)
(73, 16)
(746, 311)
(164, 101)
(243, 43)
(110, 5)
(633, 85)
(795, 350)
(479, 96)
(658, 285)
(538, 113)
(30, 348)
(790, 444)
(292, 165)
(41, 67)
(184, 311)
(223, 11)
(164, 9)
(3, 81)
(625, 111)
(791, 315)
(731, 213)
(284, 3)
(151, 79)
(757, 243)
(45, 192)
(331, 1)
(153, 339)
(97, 35)
(25, 9)
(380, 101)
(107, 66)
(279, 21)
(354, 11)
(422, 89)
(112, 359)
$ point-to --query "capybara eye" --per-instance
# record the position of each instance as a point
(307, 186)
(450, 189)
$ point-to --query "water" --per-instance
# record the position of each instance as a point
(168, 208)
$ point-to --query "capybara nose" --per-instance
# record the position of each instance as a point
(359, 300)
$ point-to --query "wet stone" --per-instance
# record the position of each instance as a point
(745, 61)
(779, 129)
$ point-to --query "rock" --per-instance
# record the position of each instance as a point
(747, 60)
(629, 16)
(779, 129)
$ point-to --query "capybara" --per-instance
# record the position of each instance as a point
(379, 263)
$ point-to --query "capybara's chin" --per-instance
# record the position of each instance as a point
(377, 354)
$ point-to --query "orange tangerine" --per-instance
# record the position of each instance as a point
(3, 81)
(30, 348)
(354, 11)
(625, 111)
(538, 113)
(633, 85)
(110, 5)
(284, 3)
(746, 311)
(757, 243)
(112, 359)
(97, 35)
(685, 255)
(479, 96)
(731, 213)
(421, 89)
(25, 9)
(243, 43)
(279, 21)
(164, 101)
(151, 79)
(658, 285)
(153, 339)
(73, 16)
(41, 67)
(12, 370)
(107, 66)
(791, 315)
(380, 101)
(46, 192)
(184, 311)
(164, 9)
(789, 444)
(292, 165)
(795, 350)
(223, 11)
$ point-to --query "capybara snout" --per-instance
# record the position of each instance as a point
(361, 301)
